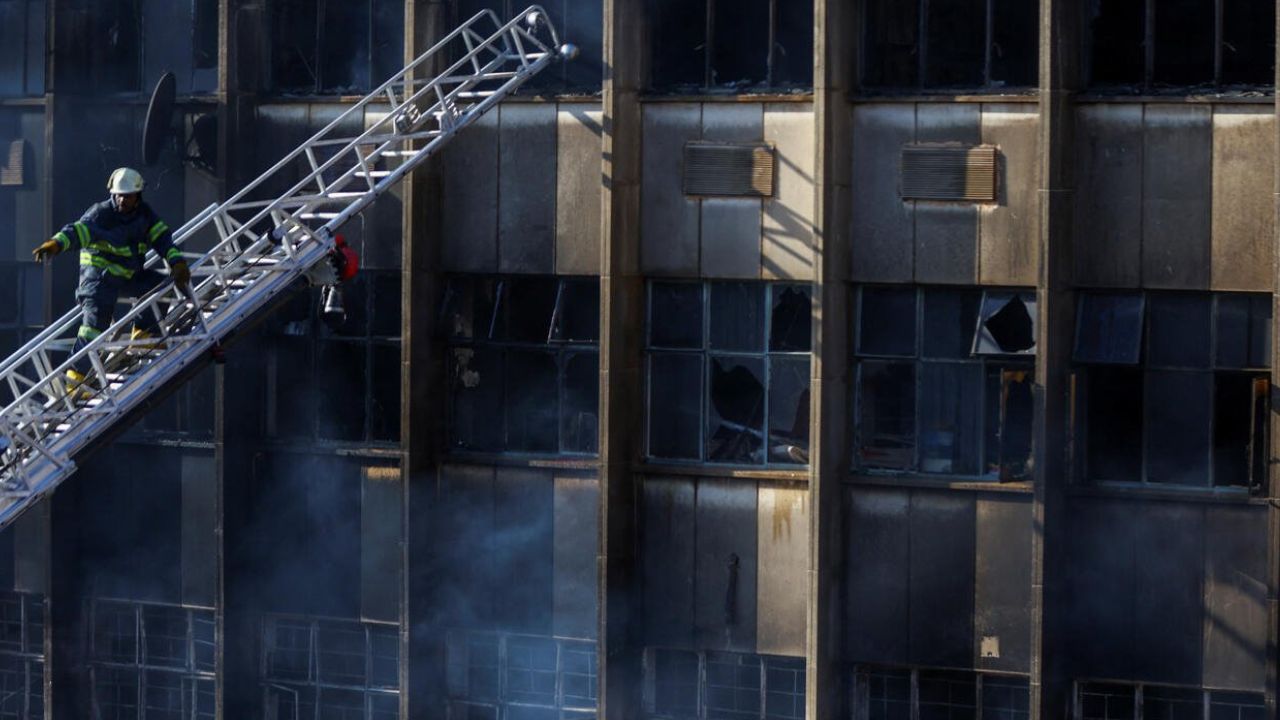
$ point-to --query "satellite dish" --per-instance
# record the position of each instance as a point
(159, 122)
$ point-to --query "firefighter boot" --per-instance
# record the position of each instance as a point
(80, 387)
(140, 334)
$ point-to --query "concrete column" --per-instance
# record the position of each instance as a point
(1060, 42)
(422, 646)
(1273, 472)
(621, 642)
(835, 50)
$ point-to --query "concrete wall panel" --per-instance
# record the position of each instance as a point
(669, 221)
(733, 122)
(784, 564)
(1176, 196)
(576, 524)
(469, 577)
(1108, 217)
(199, 530)
(941, 576)
(579, 187)
(1235, 598)
(787, 247)
(667, 549)
(31, 544)
(527, 188)
(30, 226)
(725, 602)
(523, 546)
(384, 220)
(1244, 153)
(1009, 236)
(883, 233)
(1002, 584)
(1102, 589)
(731, 238)
(469, 198)
(876, 586)
(946, 243)
(1169, 597)
(380, 536)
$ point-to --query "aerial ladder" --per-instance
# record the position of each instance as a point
(266, 242)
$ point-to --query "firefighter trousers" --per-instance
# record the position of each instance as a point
(97, 294)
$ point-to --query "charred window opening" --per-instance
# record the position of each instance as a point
(724, 46)
(507, 675)
(1153, 45)
(1122, 701)
(728, 372)
(523, 364)
(152, 660)
(22, 656)
(944, 381)
(329, 668)
(1172, 388)
(357, 359)
(22, 38)
(942, 44)
(905, 693)
(329, 47)
(687, 684)
(115, 55)
(580, 22)
(21, 308)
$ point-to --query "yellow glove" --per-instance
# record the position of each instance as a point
(46, 251)
(181, 274)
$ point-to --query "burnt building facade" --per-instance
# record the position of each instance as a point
(876, 359)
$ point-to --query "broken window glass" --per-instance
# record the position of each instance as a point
(793, 44)
(1113, 424)
(675, 405)
(893, 43)
(1109, 328)
(675, 315)
(789, 410)
(946, 695)
(1007, 324)
(1243, 331)
(577, 311)
(1117, 32)
(1014, 50)
(295, 413)
(737, 317)
(679, 32)
(739, 41)
(527, 307)
(295, 37)
(355, 303)
(579, 427)
(385, 314)
(1010, 408)
(116, 54)
(1178, 412)
(341, 368)
(949, 318)
(1184, 32)
(887, 321)
(475, 380)
(735, 417)
(954, 51)
(886, 415)
(469, 308)
(1178, 330)
(344, 40)
(731, 45)
(532, 403)
(950, 417)
(1248, 42)
(384, 413)
(791, 324)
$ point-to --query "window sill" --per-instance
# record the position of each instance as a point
(959, 96)
(941, 482)
(554, 462)
(805, 96)
(800, 474)
(22, 101)
(1201, 97)
(1226, 495)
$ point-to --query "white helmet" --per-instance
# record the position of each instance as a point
(125, 181)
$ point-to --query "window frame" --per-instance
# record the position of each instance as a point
(859, 690)
(1005, 363)
(563, 701)
(704, 658)
(1080, 686)
(314, 684)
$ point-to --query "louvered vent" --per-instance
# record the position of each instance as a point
(717, 169)
(12, 171)
(937, 172)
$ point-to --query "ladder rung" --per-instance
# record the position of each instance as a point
(372, 174)
(319, 216)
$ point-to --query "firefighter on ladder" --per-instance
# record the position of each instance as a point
(114, 237)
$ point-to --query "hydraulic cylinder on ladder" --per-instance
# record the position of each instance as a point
(265, 243)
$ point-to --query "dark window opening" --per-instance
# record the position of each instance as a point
(1116, 701)
(963, 404)
(325, 47)
(22, 47)
(724, 46)
(1187, 407)
(580, 22)
(737, 390)
(523, 366)
(329, 668)
(686, 684)
(491, 675)
(907, 693)
(1153, 45)
(950, 44)
(115, 55)
(205, 35)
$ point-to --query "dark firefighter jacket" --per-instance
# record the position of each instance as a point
(117, 243)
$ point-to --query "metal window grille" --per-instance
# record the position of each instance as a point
(21, 656)
(316, 669)
(1125, 701)
(886, 693)
(514, 676)
(687, 685)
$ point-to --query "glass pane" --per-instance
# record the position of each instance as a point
(679, 35)
(735, 422)
(1109, 329)
(947, 695)
(1005, 698)
(737, 316)
(532, 404)
(792, 321)
(1015, 44)
(1184, 39)
(475, 390)
(531, 670)
(888, 694)
(675, 405)
(467, 310)
(675, 682)
(887, 322)
(1113, 424)
(733, 686)
(740, 43)
(1234, 434)
(165, 633)
(784, 689)
(384, 418)
(789, 410)
(950, 408)
(956, 54)
(1236, 706)
(1177, 429)
(675, 315)
(340, 653)
(580, 673)
(1107, 702)
(342, 368)
(1165, 703)
(1116, 39)
(578, 314)
(1008, 325)
(793, 44)
(949, 318)
(1248, 42)
(892, 40)
(579, 427)
(1178, 332)
(529, 303)
(886, 415)
(1013, 429)
(387, 304)
(1243, 331)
